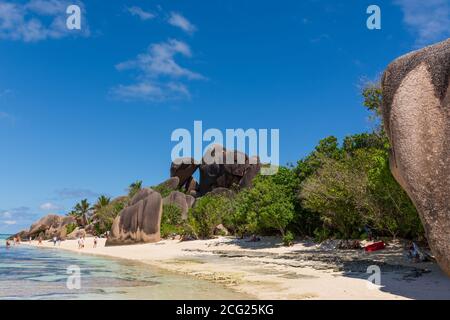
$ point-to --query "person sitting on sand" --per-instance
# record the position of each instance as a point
(95, 242)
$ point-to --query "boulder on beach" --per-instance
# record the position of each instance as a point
(48, 227)
(139, 222)
(181, 200)
(77, 233)
(416, 117)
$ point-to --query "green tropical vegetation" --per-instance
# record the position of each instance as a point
(134, 188)
(340, 190)
(82, 211)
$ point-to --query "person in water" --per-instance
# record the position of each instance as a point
(8, 244)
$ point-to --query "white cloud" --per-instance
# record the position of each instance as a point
(48, 206)
(178, 20)
(428, 20)
(76, 193)
(37, 20)
(6, 215)
(159, 75)
(159, 60)
(143, 15)
(14, 219)
(156, 92)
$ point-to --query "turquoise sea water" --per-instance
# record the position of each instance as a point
(37, 273)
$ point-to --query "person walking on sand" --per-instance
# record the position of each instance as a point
(95, 242)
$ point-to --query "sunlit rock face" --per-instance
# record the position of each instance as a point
(416, 115)
(140, 221)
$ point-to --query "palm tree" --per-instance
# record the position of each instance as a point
(102, 202)
(134, 188)
(82, 210)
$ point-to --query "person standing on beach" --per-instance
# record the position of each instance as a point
(95, 242)
(40, 241)
(54, 241)
(79, 243)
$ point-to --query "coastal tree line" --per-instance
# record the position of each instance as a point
(340, 190)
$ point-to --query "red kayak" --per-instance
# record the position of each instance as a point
(375, 246)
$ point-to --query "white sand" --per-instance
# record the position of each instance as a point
(266, 270)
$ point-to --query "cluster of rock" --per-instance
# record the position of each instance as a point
(140, 221)
(217, 171)
(48, 227)
(416, 114)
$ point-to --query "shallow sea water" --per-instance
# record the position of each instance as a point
(37, 273)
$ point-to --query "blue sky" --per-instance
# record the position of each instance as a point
(87, 112)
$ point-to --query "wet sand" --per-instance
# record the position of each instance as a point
(267, 270)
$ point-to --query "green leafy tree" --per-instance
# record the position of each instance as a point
(82, 210)
(208, 213)
(102, 201)
(105, 215)
(267, 206)
(327, 148)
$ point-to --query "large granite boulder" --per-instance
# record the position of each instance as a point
(416, 114)
(139, 222)
(184, 168)
(181, 200)
(77, 233)
(227, 169)
(171, 183)
(49, 226)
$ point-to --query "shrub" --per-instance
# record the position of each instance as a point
(163, 189)
(207, 214)
(171, 221)
(288, 239)
(266, 207)
(70, 227)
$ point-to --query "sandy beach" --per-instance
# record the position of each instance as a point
(267, 270)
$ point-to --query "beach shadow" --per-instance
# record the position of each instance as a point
(265, 243)
(421, 281)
